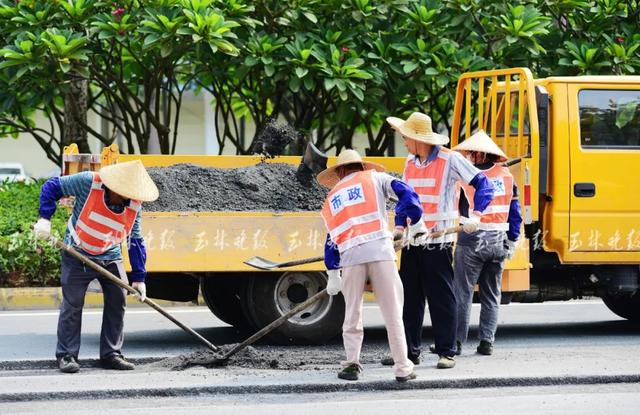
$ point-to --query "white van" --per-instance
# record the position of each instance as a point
(12, 172)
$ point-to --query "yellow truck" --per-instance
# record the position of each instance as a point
(577, 140)
(575, 154)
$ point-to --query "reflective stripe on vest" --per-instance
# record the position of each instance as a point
(496, 215)
(351, 213)
(427, 181)
(98, 228)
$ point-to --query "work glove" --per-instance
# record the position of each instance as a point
(334, 284)
(418, 233)
(509, 248)
(400, 234)
(42, 228)
(141, 287)
(472, 224)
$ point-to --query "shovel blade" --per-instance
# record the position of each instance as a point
(261, 263)
(314, 159)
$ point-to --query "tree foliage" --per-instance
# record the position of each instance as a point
(330, 68)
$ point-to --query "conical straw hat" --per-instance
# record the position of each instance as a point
(130, 180)
(481, 142)
(329, 176)
(418, 127)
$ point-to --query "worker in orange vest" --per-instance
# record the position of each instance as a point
(433, 171)
(359, 246)
(479, 257)
(105, 214)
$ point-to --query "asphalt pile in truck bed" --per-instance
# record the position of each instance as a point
(262, 187)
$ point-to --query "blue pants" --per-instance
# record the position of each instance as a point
(427, 272)
(481, 265)
(74, 279)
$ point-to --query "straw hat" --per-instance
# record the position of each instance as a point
(329, 176)
(481, 142)
(129, 180)
(418, 127)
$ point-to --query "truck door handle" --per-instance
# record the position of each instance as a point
(584, 189)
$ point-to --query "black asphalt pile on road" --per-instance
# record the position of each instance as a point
(273, 357)
(250, 358)
(262, 187)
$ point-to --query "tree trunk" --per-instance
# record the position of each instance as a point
(75, 115)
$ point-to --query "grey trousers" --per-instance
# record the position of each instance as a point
(74, 279)
(483, 266)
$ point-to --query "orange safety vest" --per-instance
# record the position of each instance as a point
(98, 228)
(351, 213)
(427, 181)
(495, 216)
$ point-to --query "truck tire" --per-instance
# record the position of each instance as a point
(224, 295)
(625, 306)
(271, 295)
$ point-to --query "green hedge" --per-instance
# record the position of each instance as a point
(25, 262)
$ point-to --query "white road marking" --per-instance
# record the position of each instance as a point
(89, 313)
(206, 310)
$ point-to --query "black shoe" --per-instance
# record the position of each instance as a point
(485, 348)
(350, 372)
(68, 364)
(388, 361)
(410, 376)
(432, 348)
(116, 362)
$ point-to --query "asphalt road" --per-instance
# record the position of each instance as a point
(31, 335)
(548, 400)
(566, 358)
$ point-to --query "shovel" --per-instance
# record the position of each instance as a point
(265, 264)
(313, 162)
(302, 306)
(130, 289)
(271, 326)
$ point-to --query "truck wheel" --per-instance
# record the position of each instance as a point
(271, 295)
(224, 294)
(625, 306)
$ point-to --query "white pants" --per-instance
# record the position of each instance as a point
(388, 289)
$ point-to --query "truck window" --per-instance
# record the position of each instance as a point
(609, 118)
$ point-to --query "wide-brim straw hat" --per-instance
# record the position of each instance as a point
(130, 180)
(329, 176)
(482, 143)
(418, 127)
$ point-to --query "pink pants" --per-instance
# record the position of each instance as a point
(388, 289)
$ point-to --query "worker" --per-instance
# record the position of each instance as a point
(479, 256)
(433, 170)
(359, 246)
(106, 213)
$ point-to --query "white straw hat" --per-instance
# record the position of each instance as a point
(418, 127)
(130, 180)
(329, 176)
(482, 143)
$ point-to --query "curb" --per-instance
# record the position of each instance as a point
(51, 297)
(472, 383)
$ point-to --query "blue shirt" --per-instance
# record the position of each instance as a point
(79, 186)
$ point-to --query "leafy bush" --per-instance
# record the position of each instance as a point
(25, 262)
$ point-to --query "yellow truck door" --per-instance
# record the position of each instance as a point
(604, 125)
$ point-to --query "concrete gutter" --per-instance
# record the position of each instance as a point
(52, 385)
(51, 298)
